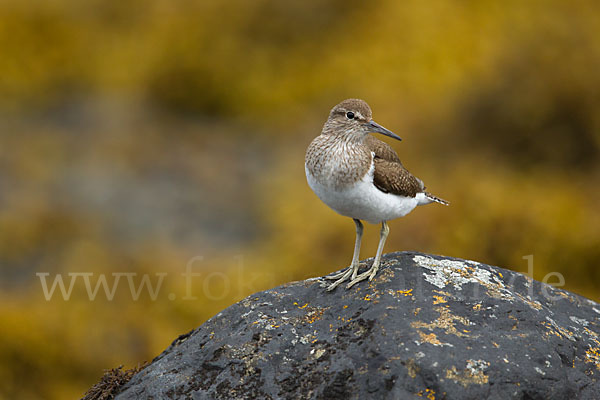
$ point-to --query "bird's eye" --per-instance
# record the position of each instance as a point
(350, 115)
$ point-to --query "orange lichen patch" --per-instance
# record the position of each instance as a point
(593, 355)
(551, 330)
(477, 307)
(430, 338)
(556, 330)
(445, 321)
(496, 345)
(438, 299)
(417, 310)
(268, 322)
(313, 315)
(590, 333)
(429, 393)
(374, 294)
(473, 374)
(301, 307)
(467, 271)
(398, 293)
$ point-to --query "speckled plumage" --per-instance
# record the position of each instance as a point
(336, 161)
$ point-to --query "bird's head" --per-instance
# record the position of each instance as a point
(353, 118)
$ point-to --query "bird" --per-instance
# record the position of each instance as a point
(361, 177)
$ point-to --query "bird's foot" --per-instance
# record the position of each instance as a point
(369, 274)
(346, 274)
(339, 274)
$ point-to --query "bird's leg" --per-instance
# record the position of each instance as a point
(355, 261)
(355, 257)
(385, 230)
(353, 268)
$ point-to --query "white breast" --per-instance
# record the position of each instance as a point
(363, 200)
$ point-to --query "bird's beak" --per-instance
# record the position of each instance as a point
(375, 127)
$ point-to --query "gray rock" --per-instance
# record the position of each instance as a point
(427, 327)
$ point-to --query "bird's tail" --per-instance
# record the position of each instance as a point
(436, 199)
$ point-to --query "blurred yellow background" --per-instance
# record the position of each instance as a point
(153, 136)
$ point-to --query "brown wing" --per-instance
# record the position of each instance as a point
(392, 177)
(381, 149)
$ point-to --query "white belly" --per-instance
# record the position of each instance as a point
(363, 200)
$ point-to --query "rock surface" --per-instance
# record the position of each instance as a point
(427, 327)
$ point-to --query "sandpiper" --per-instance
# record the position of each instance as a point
(361, 177)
